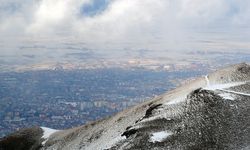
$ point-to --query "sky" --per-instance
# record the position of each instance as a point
(47, 27)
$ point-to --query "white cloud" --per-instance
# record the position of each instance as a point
(123, 21)
(55, 14)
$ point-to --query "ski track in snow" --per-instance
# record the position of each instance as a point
(234, 92)
(223, 87)
(214, 87)
(46, 133)
(227, 96)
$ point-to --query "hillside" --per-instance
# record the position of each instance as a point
(211, 112)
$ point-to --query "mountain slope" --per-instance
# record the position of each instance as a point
(210, 112)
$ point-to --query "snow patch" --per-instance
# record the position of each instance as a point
(160, 136)
(227, 96)
(46, 133)
(176, 100)
(223, 86)
(210, 86)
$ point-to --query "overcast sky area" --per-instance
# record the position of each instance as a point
(104, 25)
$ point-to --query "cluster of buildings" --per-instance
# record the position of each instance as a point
(62, 98)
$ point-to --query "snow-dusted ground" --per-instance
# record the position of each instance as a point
(221, 86)
(213, 87)
(111, 143)
(176, 100)
(107, 133)
(227, 96)
(46, 133)
(224, 87)
(160, 136)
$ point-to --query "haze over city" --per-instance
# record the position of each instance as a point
(42, 31)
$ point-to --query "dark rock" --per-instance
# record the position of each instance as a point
(24, 139)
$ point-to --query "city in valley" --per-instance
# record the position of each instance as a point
(63, 95)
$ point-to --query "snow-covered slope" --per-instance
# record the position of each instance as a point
(211, 112)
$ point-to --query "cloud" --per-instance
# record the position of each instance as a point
(123, 21)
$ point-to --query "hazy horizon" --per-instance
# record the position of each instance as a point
(49, 30)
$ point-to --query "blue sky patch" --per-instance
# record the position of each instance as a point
(10, 8)
(94, 8)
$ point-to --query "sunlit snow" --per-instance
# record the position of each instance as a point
(176, 100)
(160, 136)
(46, 133)
(227, 96)
(223, 87)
